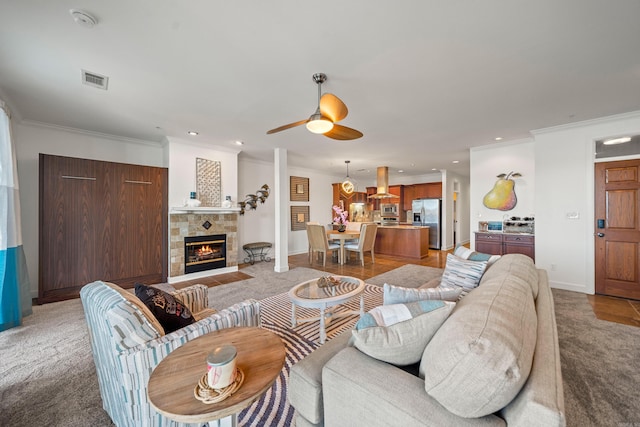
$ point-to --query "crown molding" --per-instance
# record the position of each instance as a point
(591, 122)
(77, 131)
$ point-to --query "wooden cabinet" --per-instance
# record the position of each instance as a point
(519, 244)
(347, 199)
(500, 244)
(429, 190)
(100, 221)
(408, 197)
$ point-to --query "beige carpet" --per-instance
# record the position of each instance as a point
(47, 376)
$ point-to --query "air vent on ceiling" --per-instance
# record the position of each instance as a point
(95, 80)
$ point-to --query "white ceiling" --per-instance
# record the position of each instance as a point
(423, 80)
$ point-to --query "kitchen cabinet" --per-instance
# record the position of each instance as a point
(504, 243)
(100, 221)
(408, 197)
(429, 190)
(402, 241)
(347, 199)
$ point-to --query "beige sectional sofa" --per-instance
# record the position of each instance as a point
(495, 361)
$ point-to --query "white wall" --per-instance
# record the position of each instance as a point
(491, 160)
(258, 225)
(32, 139)
(181, 155)
(564, 158)
(557, 166)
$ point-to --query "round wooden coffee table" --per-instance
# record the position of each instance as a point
(309, 294)
(170, 390)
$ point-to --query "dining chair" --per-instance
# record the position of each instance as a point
(365, 243)
(309, 238)
(318, 242)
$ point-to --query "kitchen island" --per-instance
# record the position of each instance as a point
(407, 241)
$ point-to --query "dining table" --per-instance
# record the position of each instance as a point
(342, 236)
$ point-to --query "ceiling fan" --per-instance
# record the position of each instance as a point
(330, 110)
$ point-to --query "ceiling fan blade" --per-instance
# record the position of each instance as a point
(289, 126)
(343, 133)
(332, 107)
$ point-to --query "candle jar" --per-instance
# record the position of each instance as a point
(221, 367)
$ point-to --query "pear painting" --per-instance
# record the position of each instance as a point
(502, 196)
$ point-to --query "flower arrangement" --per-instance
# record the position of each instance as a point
(340, 217)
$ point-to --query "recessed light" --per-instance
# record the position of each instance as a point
(498, 138)
(456, 161)
(239, 143)
(434, 169)
(617, 141)
(192, 133)
(400, 170)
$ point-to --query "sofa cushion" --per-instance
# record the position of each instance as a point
(466, 253)
(398, 333)
(399, 295)
(143, 311)
(462, 273)
(479, 359)
(517, 265)
(169, 310)
(305, 379)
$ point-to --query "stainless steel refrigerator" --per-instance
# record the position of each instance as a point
(429, 212)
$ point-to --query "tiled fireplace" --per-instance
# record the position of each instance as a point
(189, 224)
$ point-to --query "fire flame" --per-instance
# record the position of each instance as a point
(204, 250)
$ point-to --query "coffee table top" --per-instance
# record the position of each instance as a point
(309, 294)
(170, 390)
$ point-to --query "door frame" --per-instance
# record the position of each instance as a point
(592, 214)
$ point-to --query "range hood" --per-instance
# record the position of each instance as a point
(383, 185)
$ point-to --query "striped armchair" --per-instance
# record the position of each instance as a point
(128, 343)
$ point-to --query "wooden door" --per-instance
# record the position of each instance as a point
(617, 228)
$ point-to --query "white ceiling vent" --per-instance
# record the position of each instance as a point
(95, 80)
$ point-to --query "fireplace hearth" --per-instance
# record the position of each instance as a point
(203, 253)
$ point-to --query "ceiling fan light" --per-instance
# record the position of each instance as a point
(319, 124)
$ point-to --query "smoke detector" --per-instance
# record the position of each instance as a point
(83, 18)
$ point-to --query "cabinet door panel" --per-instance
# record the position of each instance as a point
(69, 216)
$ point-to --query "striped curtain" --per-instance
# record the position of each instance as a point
(15, 294)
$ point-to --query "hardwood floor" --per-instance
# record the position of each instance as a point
(611, 309)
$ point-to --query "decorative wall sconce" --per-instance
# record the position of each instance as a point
(251, 202)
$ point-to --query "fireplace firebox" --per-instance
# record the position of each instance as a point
(203, 253)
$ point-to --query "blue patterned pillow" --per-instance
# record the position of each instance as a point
(399, 333)
(462, 273)
(466, 253)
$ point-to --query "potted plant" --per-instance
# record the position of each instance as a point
(340, 218)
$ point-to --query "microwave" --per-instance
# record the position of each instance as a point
(389, 209)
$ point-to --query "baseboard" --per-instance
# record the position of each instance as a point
(574, 287)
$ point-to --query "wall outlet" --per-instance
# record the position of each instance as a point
(573, 215)
(553, 267)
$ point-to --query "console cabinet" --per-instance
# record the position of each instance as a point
(501, 243)
(100, 221)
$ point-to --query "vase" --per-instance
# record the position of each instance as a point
(342, 228)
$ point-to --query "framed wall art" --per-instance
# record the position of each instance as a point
(299, 217)
(299, 188)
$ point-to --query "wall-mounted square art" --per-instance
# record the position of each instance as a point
(208, 182)
(299, 217)
(299, 188)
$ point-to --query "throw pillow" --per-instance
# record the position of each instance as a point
(466, 253)
(462, 273)
(398, 295)
(399, 333)
(170, 311)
